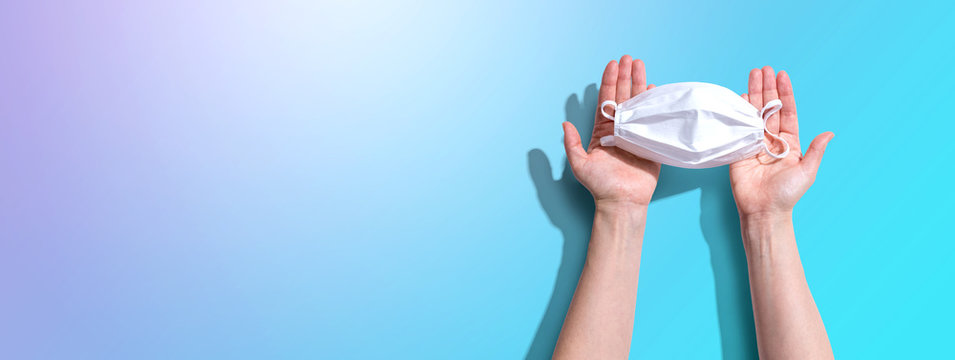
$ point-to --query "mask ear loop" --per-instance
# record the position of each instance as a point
(604, 105)
(607, 140)
(771, 108)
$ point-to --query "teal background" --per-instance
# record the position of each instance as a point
(373, 179)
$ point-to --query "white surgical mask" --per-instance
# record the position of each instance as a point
(691, 125)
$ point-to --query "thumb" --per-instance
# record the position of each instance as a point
(814, 154)
(576, 154)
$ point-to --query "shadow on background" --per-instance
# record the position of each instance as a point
(570, 208)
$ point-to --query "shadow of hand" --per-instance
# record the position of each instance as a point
(570, 207)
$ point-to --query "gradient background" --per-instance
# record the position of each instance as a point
(371, 179)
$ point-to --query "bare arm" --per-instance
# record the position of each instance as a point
(788, 325)
(599, 322)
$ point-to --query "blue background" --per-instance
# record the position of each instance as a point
(372, 179)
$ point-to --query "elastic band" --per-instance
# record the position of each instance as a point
(607, 141)
(771, 108)
(604, 104)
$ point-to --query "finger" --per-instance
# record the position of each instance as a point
(817, 148)
(756, 88)
(787, 115)
(745, 97)
(639, 73)
(575, 152)
(624, 79)
(651, 86)
(608, 88)
(608, 85)
(770, 94)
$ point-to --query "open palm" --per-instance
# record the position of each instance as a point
(762, 184)
(609, 173)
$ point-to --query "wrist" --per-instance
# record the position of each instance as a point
(766, 233)
(759, 218)
(622, 221)
(621, 205)
(625, 213)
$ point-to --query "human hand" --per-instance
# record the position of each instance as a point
(761, 184)
(613, 175)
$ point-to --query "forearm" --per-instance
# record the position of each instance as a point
(599, 322)
(788, 325)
